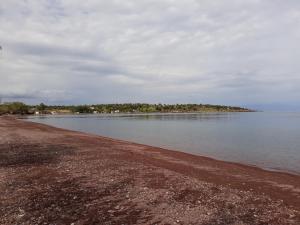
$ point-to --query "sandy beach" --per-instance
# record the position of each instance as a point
(54, 176)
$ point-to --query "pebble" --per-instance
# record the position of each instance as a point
(22, 213)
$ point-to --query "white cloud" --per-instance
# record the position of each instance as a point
(229, 52)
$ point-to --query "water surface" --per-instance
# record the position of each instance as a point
(268, 140)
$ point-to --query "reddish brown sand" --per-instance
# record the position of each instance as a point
(54, 176)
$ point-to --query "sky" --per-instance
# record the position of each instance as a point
(229, 52)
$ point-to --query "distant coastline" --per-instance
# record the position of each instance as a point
(24, 109)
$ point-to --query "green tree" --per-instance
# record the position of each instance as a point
(41, 107)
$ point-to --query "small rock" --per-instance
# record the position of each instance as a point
(22, 213)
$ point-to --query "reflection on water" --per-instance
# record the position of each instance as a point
(269, 140)
(180, 116)
(150, 116)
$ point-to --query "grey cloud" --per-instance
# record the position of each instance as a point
(98, 69)
(54, 50)
(11, 95)
(48, 95)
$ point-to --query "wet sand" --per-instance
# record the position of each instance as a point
(54, 176)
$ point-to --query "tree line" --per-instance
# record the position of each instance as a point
(21, 108)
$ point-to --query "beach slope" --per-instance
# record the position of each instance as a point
(54, 176)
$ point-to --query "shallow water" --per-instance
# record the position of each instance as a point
(268, 140)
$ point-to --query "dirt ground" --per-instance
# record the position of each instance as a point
(54, 176)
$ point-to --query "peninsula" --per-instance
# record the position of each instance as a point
(21, 108)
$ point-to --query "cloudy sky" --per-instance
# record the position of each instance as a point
(235, 52)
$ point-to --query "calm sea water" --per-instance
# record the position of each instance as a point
(268, 140)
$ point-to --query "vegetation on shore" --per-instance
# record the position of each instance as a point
(21, 108)
(14, 108)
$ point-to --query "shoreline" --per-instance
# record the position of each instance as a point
(271, 169)
(129, 113)
(78, 155)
